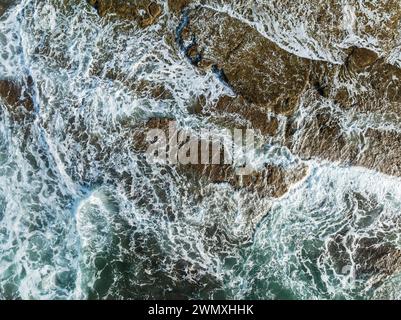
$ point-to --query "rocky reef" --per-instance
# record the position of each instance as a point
(269, 78)
(4, 5)
(144, 12)
(17, 98)
(314, 215)
(316, 108)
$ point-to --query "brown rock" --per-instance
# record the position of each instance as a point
(382, 152)
(254, 67)
(123, 9)
(239, 108)
(153, 90)
(267, 78)
(272, 181)
(5, 5)
(154, 11)
(176, 6)
(363, 84)
(129, 10)
(379, 20)
(373, 258)
(321, 136)
(10, 91)
(139, 142)
(329, 23)
(378, 257)
(17, 99)
(198, 105)
(361, 58)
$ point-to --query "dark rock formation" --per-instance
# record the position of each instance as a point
(256, 68)
(17, 99)
(374, 258)
(360, 59)
(5, 5)
(238, 108)
(145, 12)
(176, 6)
(329, 25)
(272, 88)
(266, 78)
(271, 181)
(368, 254)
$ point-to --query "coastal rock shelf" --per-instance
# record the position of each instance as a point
(275, 128)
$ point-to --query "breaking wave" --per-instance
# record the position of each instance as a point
(82, 215)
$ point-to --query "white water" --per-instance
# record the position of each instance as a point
(70, 229)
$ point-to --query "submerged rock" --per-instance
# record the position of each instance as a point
(361, 58)
(321, 29)
(254, 67)
(270, 181)
(365, 83)
(367, 256)
(176, 6)
(145, 12)
(269, 79)
(5, 5)
(17, 100)
(312, 107)
(238, 108)
(373, 258)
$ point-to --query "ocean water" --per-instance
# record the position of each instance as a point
(83, 216)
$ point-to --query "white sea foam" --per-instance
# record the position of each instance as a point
(292, 247)
(70, 229)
